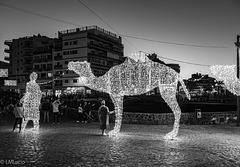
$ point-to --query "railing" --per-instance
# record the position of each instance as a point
(58, 57)
(89, 28)
(58, 66)
(7, 58)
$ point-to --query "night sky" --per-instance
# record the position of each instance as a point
(200, 32)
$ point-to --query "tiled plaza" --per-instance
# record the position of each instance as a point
(76, 144)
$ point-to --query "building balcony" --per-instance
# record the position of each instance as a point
(27, 46)
(58, 57)
(48, 87)
(104, 38)
(37, 69)
(42, 51)
(27, 62)
(58, 67)
(8, 42)
(28, 70)
(48, 69)
(37, 61)
(7, 58)
(96, 55)
(58, 84)
(7, 50)
(57, 75)
(27, 55)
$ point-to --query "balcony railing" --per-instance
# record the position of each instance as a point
(58, 66)
(27, 54)
(7, 50)
(27, 62)
(8, 42)
(7, 58)
(58, 57)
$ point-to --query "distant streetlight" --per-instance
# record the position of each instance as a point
(238, 97)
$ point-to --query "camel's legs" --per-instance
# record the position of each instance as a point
(24, 124)
(169, 95)
(118, 103)
(36, 124)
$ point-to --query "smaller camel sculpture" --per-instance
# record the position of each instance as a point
(31, 102)
(134, 78)
(227, 74)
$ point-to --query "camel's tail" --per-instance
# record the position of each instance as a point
(184, 88)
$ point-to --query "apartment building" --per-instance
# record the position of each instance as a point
(21, 56)
(49, 57)
(101, 48)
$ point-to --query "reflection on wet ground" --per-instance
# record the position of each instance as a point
(74, 144)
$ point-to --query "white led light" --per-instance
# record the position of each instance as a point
(10, 82)
(134, 77)
(3, 72)
(31, 102)
(227, 74)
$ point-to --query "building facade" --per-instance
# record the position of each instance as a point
(49, 57)
(21, 56)
(101, 48)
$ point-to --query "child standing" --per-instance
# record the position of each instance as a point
(19, 115)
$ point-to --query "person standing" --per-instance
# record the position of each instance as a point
(85, 112)
(19, 115)
(55, 105)
(103, 113)
(46, 107)
(80, 113)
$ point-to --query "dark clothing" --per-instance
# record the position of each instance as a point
(56, 117)
(46, 106)
(103, 113)
(80, 117)
(19, 121)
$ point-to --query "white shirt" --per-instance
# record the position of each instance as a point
(55, 106)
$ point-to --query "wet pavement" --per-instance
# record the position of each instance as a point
(75, 144)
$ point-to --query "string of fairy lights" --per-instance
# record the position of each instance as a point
(47, 82)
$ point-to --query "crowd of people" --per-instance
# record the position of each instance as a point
(52, 107)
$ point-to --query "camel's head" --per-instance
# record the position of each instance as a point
(82, 68)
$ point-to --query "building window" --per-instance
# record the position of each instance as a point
(36, 66)
(66, 53)
(43, 75)
(49, 75)
(66, 81)
(66, 43)
(66, 62)
(74, 42)
(75, 81)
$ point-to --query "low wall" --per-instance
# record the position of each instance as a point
(186, 118)
(162, 118)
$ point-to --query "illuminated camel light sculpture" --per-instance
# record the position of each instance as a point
(227, 74)
(134, 78)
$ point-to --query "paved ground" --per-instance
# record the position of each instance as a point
(75, 144)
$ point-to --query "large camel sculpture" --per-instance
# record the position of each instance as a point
(227, 74)
(134, 78)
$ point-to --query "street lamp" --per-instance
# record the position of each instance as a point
(238, 97)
